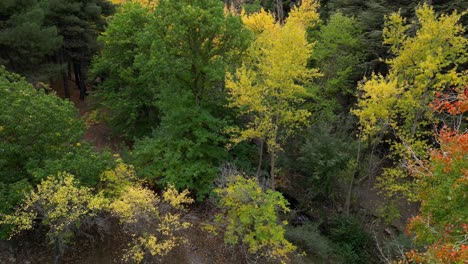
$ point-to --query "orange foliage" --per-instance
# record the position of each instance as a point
(453, 103)
(446, 177)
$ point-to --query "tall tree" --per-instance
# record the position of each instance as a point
(78, 22)
(128, 92)
(27, 43)
(192, 44)
(339, 55)
(269, 86)
(33, 127)
(422, 65)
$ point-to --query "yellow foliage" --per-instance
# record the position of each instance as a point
(114, 181)
(258, 22)
(423, 64)
(135, 202)
(304, 15)
(249, 216)
(269, 86)
(153, 226)
(176, 199)
(60, 203)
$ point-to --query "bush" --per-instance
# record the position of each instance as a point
(351, 242)
(308, 238)
(64, 207)
(250, 217)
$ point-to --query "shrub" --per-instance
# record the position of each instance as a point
(249, 216)
(351, 242)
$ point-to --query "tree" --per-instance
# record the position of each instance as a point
(34, 127)
(249, 216)
(151, 221)
(423, 65)
(268, 86)
(27, 43)
(40, 135)
(60, 204)
(441, 225)
(78, 22)
(66, 208)
(339, 55)
(128, 92)
(192, 44)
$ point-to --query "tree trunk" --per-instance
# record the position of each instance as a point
(56, 252)
(272, 170)
(82, 83)
(260, 161)
(279, 11)
(69, 71)
(77, 77)
(66, 90)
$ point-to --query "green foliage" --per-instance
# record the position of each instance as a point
(442, 188)
(252, 7)
(399, 101)
(249, 216)
(40, 135)
(82, 160)
(27, 41)
(338, 53)
(350, 240)
(128, 92)
(324, 157)
(188, 156)
(307, 237)
(389, 212)
(35, 129)
(78, 23)
(190, 45)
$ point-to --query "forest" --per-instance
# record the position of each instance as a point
(234, 131)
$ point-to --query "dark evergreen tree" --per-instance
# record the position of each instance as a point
(78, 22)
(27, 44)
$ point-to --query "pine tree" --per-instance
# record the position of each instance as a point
(27, 43)
(78, 22)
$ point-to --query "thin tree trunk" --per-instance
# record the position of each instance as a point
(77, 77)
(82, 83)
(272, 170)
(350, 188)
(279, 10)
(69, 71)
(56, 252)
(260, 161)
(66, 90)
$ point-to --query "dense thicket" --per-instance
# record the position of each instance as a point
(43, 39)
(241, 102)
(40, 135)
